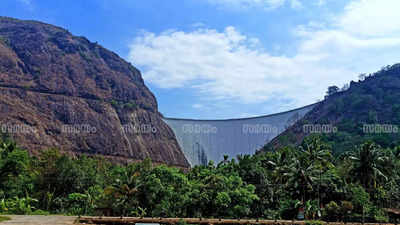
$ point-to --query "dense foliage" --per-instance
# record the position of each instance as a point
(353, 186)
(373, 101)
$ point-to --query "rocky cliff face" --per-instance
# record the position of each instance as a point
(62, 91)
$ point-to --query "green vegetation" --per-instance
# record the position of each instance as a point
(372, 100)
(4, 218)
(131, 105)
(354, 110)
(5, 41)
(354, 186)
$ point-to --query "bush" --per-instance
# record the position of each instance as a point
(115, 104)
(130, 105)
(20, 206)
(379, 215)
(312, 209)
(4, 218)
(382, 219)
(5, 41)
(332, 211)
(77, 203)
(360, 199)
(289, 208)
(40, 212)
(347, 206)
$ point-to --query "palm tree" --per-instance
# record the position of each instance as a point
(316, 153)
(369, 164)
(301, 177)
(124, 191)
(317, 158)
(279, 162)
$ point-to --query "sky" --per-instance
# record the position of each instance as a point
(219, 59)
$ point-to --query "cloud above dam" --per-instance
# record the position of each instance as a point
(229, 65)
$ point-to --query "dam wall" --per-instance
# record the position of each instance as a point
(205, 140)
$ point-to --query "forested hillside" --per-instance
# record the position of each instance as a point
(355, 186)
(367, 110)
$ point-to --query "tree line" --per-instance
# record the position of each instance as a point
(356, 185)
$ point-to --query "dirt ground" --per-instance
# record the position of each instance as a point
(40, 220)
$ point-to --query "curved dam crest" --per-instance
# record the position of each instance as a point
(205, 140)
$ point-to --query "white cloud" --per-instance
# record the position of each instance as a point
(197, 106)
(226, 65)
(364, 37)
(371, 18)
(267, 4)
(223, 65)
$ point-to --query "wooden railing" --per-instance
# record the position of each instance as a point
(171, 221)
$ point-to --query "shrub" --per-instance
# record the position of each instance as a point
(332, 211)
(289, 208)
(20, 206)
(312, 209)
(270, 214)
(5, 41)
(347, 206)
(4, 218)
(360, 199)
(130, 105)
(40, 212)
(379, 215)
(114, 104)
(77, 203)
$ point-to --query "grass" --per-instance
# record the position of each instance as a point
(4, 218)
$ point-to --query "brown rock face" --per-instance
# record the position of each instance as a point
(62, 91)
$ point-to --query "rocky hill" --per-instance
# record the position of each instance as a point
(368, 110)
(63, 91)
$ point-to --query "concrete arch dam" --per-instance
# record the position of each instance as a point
(205, 140)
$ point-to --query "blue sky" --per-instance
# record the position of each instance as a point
(233, 58)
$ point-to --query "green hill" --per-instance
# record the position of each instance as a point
(367, 110)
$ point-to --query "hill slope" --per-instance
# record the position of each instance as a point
(59, 90)
(368, 110)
